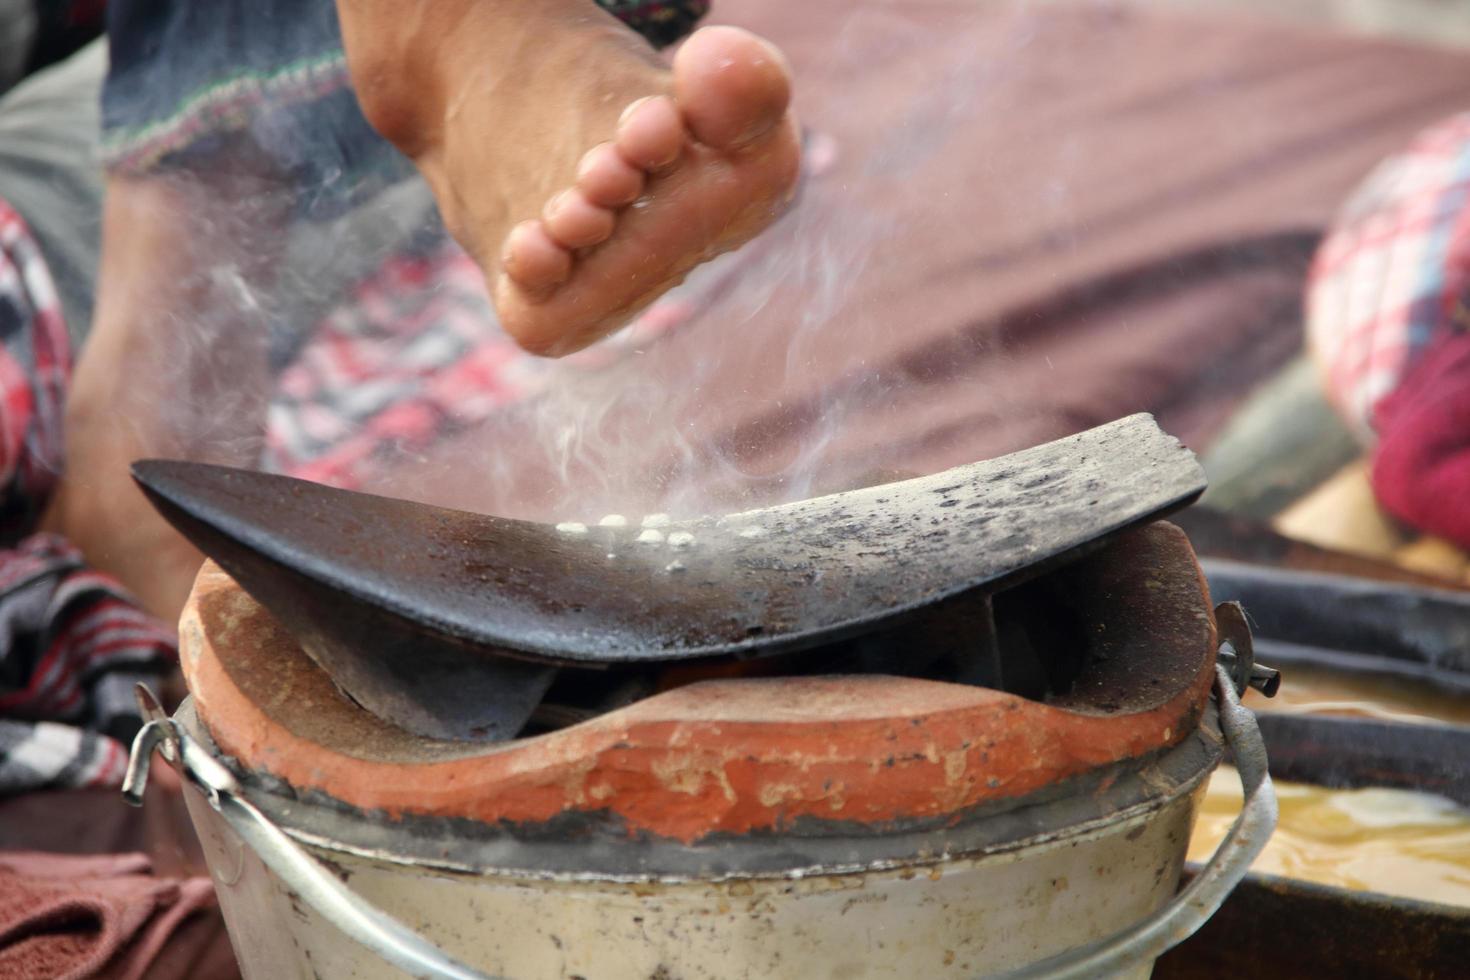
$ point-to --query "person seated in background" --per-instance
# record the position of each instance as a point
(1388, 323)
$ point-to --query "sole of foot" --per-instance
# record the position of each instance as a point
(687, 177)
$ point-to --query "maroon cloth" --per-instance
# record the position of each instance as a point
(66, 917)
(1421, 465)
(1040, 218)
(1086, 210)
(98, 822)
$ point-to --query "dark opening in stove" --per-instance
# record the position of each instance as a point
(1114, 630)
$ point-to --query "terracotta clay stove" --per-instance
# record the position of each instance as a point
(1054, 705)
(745, 755)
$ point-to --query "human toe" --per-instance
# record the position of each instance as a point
(651, 133)
(533, 259)
(606, 179)
(575, 222)
(731, 86)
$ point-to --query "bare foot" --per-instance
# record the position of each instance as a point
(684, 179)
(598, 179)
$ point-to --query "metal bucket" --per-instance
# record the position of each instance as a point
(1086, 899)
(793, 827)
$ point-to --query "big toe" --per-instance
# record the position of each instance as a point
(731, 86)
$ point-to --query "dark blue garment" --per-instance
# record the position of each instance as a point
(192, 79)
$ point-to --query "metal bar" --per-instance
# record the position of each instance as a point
(1218, 535)
(1353, 752)
(1282, 929)
(1422, 626)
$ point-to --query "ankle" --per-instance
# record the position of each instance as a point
(469, 55)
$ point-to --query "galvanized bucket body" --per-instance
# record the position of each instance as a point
(948, 916)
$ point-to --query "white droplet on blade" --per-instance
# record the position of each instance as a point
(651, 536)
(656, 520)
(572, 527)
(613, 520)
(753, 532)
(674, 566)
(681, 540)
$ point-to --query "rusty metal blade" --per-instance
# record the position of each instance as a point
(424, 680)
(415, 587)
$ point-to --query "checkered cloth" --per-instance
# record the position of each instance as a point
(415, 355)
(412, 356)
(72, 642)
(1392, 276)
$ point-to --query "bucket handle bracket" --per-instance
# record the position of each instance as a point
(1238, 652)
(304, 874)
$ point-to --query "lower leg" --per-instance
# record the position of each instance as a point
(174, 365)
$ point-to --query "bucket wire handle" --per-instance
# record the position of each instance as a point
(357, 918)
(1193, 906)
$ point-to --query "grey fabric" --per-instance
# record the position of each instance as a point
(50, 173)
(325, 259)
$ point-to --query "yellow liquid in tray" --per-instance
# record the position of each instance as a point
(1398, 842)
(1414, 845)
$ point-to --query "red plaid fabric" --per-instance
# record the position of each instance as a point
(414, 356)
(72, 642)
(1393, 274)
(35, 359)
